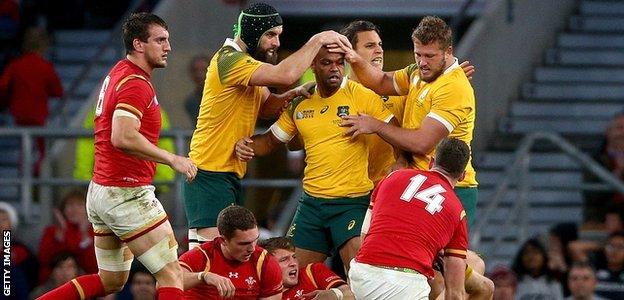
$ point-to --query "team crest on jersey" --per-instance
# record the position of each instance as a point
(343, 111)
(305, 114)
(324, 109)
(233, 275)
(250, 281)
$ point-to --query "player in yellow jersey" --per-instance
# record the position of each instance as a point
(440, 102)
(235, 94)
(336, 183)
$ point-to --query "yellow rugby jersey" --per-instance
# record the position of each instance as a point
(228, 110)
(449, 99)
(380, 153)
(336, 165)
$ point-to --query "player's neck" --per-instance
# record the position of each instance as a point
(141, 63)
(226, 253)
(325, 91)
(240, 44)
(446, 176)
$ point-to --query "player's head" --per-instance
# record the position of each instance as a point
(283, 249)
(147, 35)
(452, 156)
(433, 47)
(366, 40)
(197, 69)
(259, 27)
(328, 69)
(142, 284)
(237, 225)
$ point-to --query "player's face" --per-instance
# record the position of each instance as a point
(369, 47)
(290, 266)
(328, 69)
(581, 282)
(242, 245)
(157, 47)
(431, 59)
(143, 286)
(268, 45)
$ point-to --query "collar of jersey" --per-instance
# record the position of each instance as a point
(453, 66)
(230, 42)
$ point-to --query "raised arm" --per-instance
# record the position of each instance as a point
(377, 80)
(290, 69)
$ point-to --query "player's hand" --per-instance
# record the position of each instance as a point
(223, 284)
(333, 40)
(360, 124)
(60, 219)
(320, 295)
(305, 89)
(185, 166)
(468, 69)
(242, 149)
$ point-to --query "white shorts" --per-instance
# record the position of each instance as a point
(370, 282)
(127, 212)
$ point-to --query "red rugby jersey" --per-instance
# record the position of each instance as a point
(415, 215)
(126, 87)
(258, 277)
(315, 276)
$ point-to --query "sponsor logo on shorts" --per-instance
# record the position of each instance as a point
(351, 225)
(291, 230)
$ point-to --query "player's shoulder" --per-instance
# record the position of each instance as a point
(228, 57)
(294, 103)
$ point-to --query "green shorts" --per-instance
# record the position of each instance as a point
(322, 225)
(468, 197)
(208, 194)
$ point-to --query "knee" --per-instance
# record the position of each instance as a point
(487, 287)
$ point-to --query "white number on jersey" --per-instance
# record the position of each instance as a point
(100, 103)
(430, 195)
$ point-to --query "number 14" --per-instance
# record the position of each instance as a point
(430, 195)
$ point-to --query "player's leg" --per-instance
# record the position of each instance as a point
(346, 225)
(312, 244)
(204, 198)
(477, 285)
(371, 282)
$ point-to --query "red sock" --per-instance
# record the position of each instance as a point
(83, 287)
(170, 292)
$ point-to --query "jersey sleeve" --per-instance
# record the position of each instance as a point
(458, 244)
(134, 96)
(450, 104)
(402, 79)
(235, 67)
(284, 129)
(271, 281)
(194, 260)
(324, 277)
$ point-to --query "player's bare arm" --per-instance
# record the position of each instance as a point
(290, 69)
(382, 83)
(257, 145)
(126, 137)
(274, 104)
(454, 277)
(224, 285)
(341, 292)
(419, 141)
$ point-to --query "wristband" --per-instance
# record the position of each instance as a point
(337, 292)
(200, 276)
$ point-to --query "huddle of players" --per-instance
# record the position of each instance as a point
(329, 119)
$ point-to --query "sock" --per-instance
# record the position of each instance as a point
(170, 292)
(83, 287)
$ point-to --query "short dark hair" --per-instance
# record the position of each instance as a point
(276, 243)
(234, 218)
(433, 29)
(452, 156)
(353, 28)
(137, 27)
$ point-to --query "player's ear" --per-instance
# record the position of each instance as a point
(137, 45)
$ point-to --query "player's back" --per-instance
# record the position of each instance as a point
(415, 214)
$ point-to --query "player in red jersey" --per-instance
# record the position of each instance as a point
(126, 216)
(416, 214)
(313, 281)
(232, 265)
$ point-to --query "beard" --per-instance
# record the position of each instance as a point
(156, 62)
(264, 56)
(435, 73)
